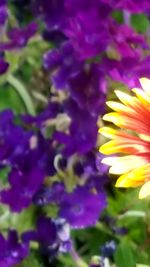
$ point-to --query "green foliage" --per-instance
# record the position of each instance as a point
(31, 261)
(124, 256)
(25, 220)
(51, 210)
(66, 261)
(9, 98)
(118, 16)
(4, 175)
(133, 214)
(140, 22)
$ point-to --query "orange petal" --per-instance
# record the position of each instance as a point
(128, 122)
(114, 146)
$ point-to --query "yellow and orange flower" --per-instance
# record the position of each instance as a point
(132, 116)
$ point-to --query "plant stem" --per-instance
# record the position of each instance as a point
(21, 90)
(79, 262)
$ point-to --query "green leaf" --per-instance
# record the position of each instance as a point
(124, 256)
(23, 93)
(51, 210)
(4, 175)
(30, 261)
(66, 261)
(25, 220)
(9, 98)
(140, 23)
(118, 16)
(142, 265)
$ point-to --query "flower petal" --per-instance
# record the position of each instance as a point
(145, 190)
(145, 83)
(120, 165)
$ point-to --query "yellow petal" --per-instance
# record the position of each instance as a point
(117, 146)
(125, 98)
(145, 83)
(127, 122)
(108, 148)
(114, 117)
(116, 106)
(124, 183)
(108, 132)
(145, 190)
(112, 147)
(142, 96)
(135, 177)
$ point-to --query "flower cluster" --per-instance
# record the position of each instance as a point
(38, 175)
(14, 38)
(48, 160)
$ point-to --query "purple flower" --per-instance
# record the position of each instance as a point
(52, 12)
(14, 141)
(75, 5)
(93, 173)
(101, 168)
(29, 155)
(3, 66)
(23, 188)
(18, 38)
(128, 70)
(123, 38)
(55, 36)
(89, 39)
(3, 2)
(88, 88)
(51, 111)
(47, 195)
(82, 207)
(46, 233)
(12, 252)
(85, 82)
(26, 179)
(108, 249)
(81, 137)
(52, 236)
(62, 64)
(3, 14)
